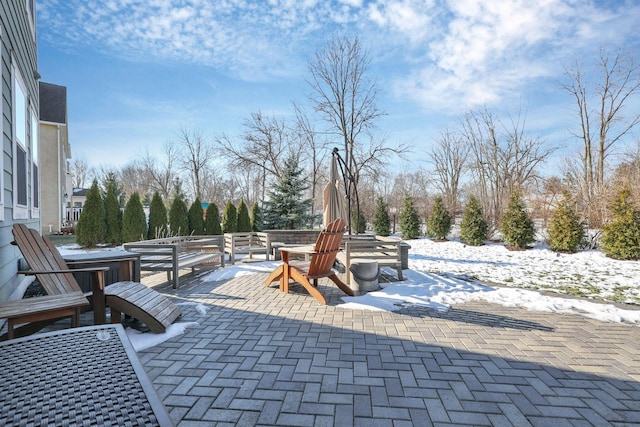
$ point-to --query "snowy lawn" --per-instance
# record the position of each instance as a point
(587, 274)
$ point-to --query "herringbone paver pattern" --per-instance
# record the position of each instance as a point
(264, 358)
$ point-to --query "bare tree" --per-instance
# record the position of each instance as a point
(265, 141)
(161, 174)
(504, 159)
(315, 151)
(601, 116)
(346, 99)
(195, 156)
(449, 159)
(212, 187)
(627, 173)
(80, 172)
(134, 179)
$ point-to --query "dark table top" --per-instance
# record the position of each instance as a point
(114, 255)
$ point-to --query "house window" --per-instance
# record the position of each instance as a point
(20, 161)
(35, 166)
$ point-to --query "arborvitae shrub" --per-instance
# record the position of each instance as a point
(196, 218)
(212, 225)
(244, 222)
(230, 218)
(157, 218)
(256, 218)
(517, 227)
(358, 226)
(409, 220)
(567, 231)
(178, 217)
(621, 235)
(439, 223)
(473, 228)
(381, 223)
(113, 216)
(134, 222)
(92, 228)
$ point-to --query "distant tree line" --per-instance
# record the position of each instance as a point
(484, 173)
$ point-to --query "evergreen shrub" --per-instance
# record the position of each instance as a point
(134, 222)
(517, 227)
(566, 232)
(621, 235)
(473, 228)
(381, 223)
(439, 223)
(91, 228)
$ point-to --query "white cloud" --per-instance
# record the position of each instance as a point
(490, 51)
(243, 38)
(410, 18)
(447, 54)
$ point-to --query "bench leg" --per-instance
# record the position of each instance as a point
(116, 316)
(75, 319)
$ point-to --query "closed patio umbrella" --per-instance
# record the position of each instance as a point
(333, 200)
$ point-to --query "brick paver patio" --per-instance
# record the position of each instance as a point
(261, 357)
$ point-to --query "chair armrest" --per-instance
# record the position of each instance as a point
(304, 250)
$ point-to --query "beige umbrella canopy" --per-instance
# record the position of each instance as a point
(333, 200)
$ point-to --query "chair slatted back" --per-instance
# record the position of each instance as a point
(41, 255)
(326, 248)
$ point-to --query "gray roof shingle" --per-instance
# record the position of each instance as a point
(53, 103)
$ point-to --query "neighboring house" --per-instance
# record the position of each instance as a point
(55, 153)
(78, 197)
(19, 180)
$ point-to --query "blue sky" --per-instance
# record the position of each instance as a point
(138, 70)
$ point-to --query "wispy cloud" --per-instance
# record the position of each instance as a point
(452, 53)
(488, 51)
(242, 37)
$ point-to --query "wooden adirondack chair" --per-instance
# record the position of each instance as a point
(55, 276)
(322, 256)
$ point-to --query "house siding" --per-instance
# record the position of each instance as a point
(54, 153)
(19, 50)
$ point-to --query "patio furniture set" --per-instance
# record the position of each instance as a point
(126, 395)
